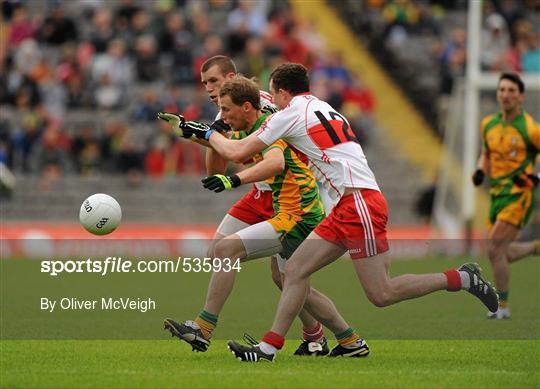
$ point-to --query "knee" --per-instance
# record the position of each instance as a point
(223, 249)
(495, 251)
(293, 272)
(379, 298)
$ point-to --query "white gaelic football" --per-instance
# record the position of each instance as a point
(100, 214)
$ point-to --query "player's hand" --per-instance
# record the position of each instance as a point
(521, 181)
(176, 121)
(478, 177)
(197, 130)
(269, 109)
(219, 182)
(220, 126)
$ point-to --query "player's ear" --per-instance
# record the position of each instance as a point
(246, 106)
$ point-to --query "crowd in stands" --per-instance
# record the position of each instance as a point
(81, 81)
(423, 43)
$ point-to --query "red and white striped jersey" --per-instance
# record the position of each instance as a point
(266, 101)
(314, 128)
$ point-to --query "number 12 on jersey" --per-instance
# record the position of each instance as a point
(331, 132)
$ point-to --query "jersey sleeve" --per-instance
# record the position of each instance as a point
(277, 145)
(483, 125)
(534, 135)
(277, 126)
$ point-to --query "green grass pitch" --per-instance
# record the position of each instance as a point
(441, 340)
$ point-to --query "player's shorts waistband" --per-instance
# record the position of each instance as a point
(350, 191)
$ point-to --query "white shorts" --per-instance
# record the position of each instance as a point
(230, 225)
(260, 240)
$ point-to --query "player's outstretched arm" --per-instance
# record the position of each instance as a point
(237, 151)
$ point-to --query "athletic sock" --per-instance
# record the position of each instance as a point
(457, 280)
(207, 322)
(313, 334)
(453, 278)
(465, 280)
(503, 299)
(267, 348)
(271, 342)
(347, 338)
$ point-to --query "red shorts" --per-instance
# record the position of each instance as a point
(256, 206)
(358, 223)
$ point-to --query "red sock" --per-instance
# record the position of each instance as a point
(313, 334)
(454, 280)
(274, 339)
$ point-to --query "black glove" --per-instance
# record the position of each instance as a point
(269, 109)
(478, 177)
(521, 181)
(534, 178)
(219, 182)
(196, 129)
(220, 126)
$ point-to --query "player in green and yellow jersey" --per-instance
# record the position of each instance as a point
(511, 142)
(297, 211)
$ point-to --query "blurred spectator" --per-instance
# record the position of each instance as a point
(177, 41)
(102, 30)
(85, 151)
(125, 12)
(57, 28)
(27, 132)
(112, 71)
(174, 101)
(115, 64)
(495, 43)
(253, 62)
(146, 58)
(400, 16)
(294, 49)
(147, 109)
(246, 20)
(453, 59)
(51, 156)
(21, 27)
(212, 45)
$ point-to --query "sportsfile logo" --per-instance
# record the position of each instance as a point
(120, 265)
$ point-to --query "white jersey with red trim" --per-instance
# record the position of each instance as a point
(266, 101)
(314, 128)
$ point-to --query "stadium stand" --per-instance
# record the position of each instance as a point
(81, 83)
(422, 44)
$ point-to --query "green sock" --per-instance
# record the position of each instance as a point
(503, 299)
